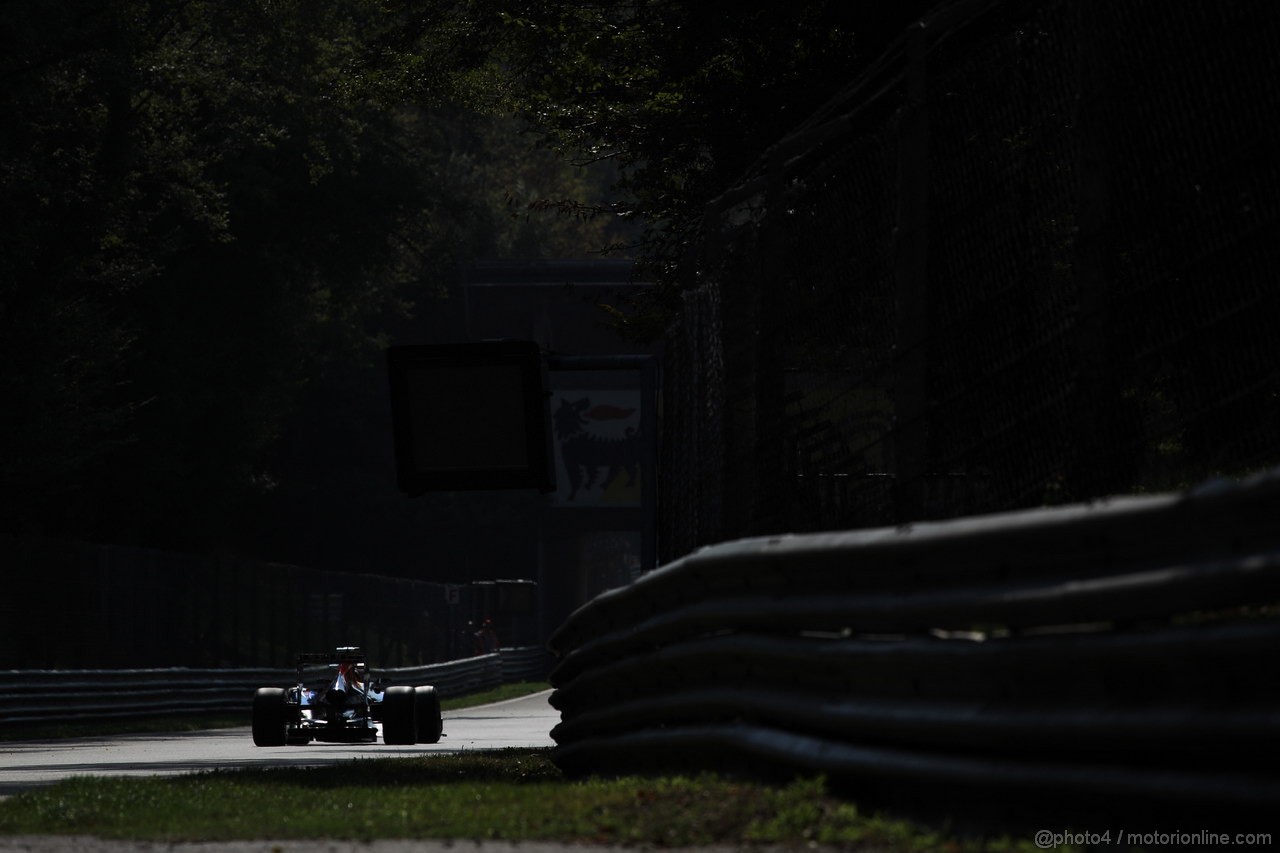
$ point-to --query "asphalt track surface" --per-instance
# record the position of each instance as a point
(523, 722)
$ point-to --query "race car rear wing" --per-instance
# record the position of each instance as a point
(343, 654)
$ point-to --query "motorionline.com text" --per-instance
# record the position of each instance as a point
(1047, 839)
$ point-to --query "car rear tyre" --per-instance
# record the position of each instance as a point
(399, 716)
(430, 724)
(269, 723)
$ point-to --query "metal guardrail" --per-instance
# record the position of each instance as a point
(1115, 658)
(58, 696)
(527, 663)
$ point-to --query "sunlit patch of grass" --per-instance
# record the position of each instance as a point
(514, 795)
(497, 694)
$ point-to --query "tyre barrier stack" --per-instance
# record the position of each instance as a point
(1115, 659)
(60, 696)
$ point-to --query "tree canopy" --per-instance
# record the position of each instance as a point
(682, 96)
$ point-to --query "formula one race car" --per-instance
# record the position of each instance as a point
(345, 707)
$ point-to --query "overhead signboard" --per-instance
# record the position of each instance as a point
(470, 416)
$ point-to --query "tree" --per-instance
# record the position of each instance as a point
(682, 96)
(196, 215)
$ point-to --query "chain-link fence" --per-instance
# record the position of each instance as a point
(1029, 256)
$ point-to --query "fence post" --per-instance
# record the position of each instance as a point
(911, 389)
(1094, 394)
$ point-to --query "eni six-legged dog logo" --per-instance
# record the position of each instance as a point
(598, 445)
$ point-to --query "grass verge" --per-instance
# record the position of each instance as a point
(498, 694)
(513, 795)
